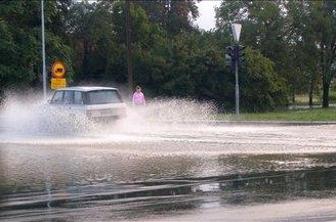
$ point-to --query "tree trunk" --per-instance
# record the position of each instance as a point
(325, 97)
(311, 93)
(85, 65)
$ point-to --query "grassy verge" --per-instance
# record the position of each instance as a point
(290, 115)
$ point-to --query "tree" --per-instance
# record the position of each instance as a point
(262, 89)
(264, 29)
(174, 16)
(323, 24)
(304, 49)
(20, 62)
(171, 58)
(268, 62)
(298, 36)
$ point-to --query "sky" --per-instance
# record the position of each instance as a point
(206, 9)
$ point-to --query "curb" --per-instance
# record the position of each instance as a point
(243, 122)
(288, 123)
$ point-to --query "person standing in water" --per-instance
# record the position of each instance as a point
(138, 97)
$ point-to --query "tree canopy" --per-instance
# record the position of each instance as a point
(291, 47)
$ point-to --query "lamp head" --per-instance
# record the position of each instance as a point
(236, 29)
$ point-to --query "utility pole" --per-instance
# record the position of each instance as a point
(43, 53)
(129, 47)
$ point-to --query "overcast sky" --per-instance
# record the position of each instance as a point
(206, 9)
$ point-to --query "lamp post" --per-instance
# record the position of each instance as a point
(43, 54)
(236, 29)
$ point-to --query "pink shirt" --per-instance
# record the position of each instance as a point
(139, 98)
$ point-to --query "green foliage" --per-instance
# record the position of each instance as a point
(174, 16)
(189, 65)
(298, 36)
(264, 29)
(20, 42)
(171, 58)
(17, 59)
(262, 88)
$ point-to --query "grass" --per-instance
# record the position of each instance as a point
(290, 115)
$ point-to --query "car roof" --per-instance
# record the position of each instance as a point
(88, 88)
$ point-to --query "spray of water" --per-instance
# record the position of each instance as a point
(30, 115)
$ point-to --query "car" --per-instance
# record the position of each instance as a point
(97, 103)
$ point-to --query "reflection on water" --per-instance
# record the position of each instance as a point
(39, 183)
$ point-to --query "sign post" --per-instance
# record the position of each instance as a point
(58, 71)
(44, 75)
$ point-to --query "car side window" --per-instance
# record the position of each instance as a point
(78, 98)
(68, 97)
(57, 98)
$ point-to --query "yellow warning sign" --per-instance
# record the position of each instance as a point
(58, 83)
(58, 70)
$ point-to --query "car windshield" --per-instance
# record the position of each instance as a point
(103, 97)
(57, 98)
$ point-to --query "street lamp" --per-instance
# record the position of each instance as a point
(236, 29)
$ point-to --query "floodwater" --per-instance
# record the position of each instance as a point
(164, 168)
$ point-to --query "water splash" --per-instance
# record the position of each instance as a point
(30, 115)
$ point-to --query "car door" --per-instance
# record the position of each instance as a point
(57, 98)
(78, 103)
(68, 101)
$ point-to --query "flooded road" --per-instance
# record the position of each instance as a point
(168, 162)
(170, 172)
